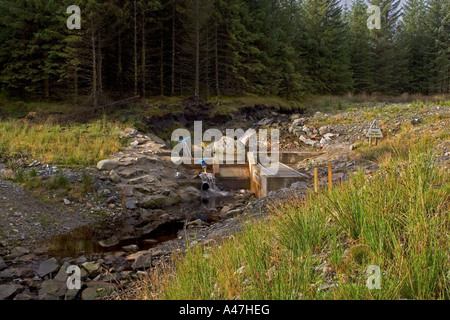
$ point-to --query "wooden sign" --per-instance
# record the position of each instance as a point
(375, 131)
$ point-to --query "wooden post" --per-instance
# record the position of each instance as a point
(376, 142)
(316, 180)
(370, 141)
(330, 176)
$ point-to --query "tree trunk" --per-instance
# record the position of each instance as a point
(161, 71)
(119, 63)
(216, 49)
(173, 49)
(197, 49)
(100, 65)
(47, 87)
(135, 51)
(143, 55)
(75, 82)
(94, 66)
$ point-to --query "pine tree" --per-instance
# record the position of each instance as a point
(361, 58)
(325, 47)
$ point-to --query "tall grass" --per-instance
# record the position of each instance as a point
(77, 145)
(397, 220)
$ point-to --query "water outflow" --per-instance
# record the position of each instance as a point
(209, 184)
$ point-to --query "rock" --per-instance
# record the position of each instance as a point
(129, 173)
(2, 264)
(299, 122)
(143, 262)
(307, 141)
(111, 242)
(62, 275)
(25, 297)
(97, 290)
(131, 248)
(106, 192)
(179, 176)
(159, 202)
(71, 294)
(190, 194)
(51, 289)
(300, 185)
(8, 291)
(18, 214)
(115, 177)
(327, 286)
(232, 213)
(107, 165)
(147, 179)
(324, 130)
(131, 204)
(7, 274)
(128, 133)
(196, 223)
(66, 202)
(49, 266)
(18, 252)
(93, 269)
(27, 257)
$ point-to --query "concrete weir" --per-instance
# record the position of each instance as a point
(256, 177)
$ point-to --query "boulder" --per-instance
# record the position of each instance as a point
(128, 133)
(159, 202)
(18, 252)
(62, 275)
(131, 248)
(9, 291)
(189, 194)
(108, 243)
(107, 165)
(2, 264)
(97, 290)
(142, 262)
(52, 290)
(115, 176)
(49, 266)
(93, 269)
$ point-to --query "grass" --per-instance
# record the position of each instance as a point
(78, 145)
(397, 220)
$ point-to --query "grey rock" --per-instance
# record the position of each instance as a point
(159, 202)
(131, 248)
(51, 289)
(108, 243)
(62, 275)
(143, 261)
(7, 274)
(179, 176)
(71, 294)
(19, 251)
(66, 202)
(49, 266)
(2, 264)
(131, 204)
(8, 291)
(25, 297)
(128, 133)
(92, 268)
(107, 165)
(115, 176)
(97, 290)
(190, 194)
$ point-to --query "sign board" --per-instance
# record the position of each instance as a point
(375, 131)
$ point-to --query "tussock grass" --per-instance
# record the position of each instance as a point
(78, 145)
(397, 219)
